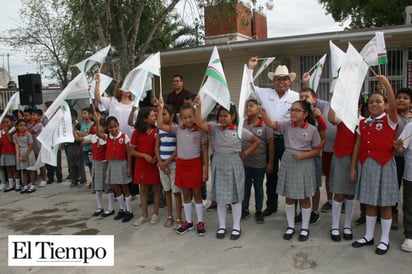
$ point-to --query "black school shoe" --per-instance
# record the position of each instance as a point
(259, 217)
(107, 213)
(119, 215)
(127, 216)
(98, 212)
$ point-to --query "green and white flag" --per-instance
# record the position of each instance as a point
(337, 58)
(98, 57)
(14, 103)
(374, 52)
(317, 73)
(246, 90)
(215, 85)
(265, 64)
(77, 88)
(348, 87)
(139, 80)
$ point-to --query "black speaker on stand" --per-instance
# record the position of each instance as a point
(30, 89)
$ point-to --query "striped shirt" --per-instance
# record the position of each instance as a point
(167, 144)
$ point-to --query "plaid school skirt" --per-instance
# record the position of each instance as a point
(297, 178)
(377, 185)
(339, 180)
(228, 177)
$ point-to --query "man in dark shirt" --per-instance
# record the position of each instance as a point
(176, 97)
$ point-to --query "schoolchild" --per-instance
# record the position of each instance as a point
(228, 174)
(35, 130)
(259, 161)
(23, 141)
(118, 172)
(99, 166)
(374, 164)
(297, 178)
(404, 145)
(191, 170)
(340, 183)
(74, 156)
(404, 105)
(146, 173)
(309, 95)
(8, 154)
(85, 127)
(166, 162)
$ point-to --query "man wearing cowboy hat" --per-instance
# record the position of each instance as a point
(276, 101)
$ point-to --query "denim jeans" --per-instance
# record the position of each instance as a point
(254, 176)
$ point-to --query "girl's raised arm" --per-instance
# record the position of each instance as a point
(198, 114)
(392, 112)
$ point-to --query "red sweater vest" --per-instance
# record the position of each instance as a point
(376, 141)
(116, 148)
(344, 142)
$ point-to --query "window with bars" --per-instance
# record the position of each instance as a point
(394, 70)
(306, 64)
(262, 80)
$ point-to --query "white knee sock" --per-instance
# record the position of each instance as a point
(221, 214)
(290, 215)
(129, 207)
(99, 198)
(336, 208)
(306, 217)
(11, 183)
(370, 227)
(110, 197)
(349, 207)
(236, 214)
(386, 228)
(120, 200)
(188, 211)
(199, 212)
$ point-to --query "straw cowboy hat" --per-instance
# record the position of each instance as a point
(282, 71)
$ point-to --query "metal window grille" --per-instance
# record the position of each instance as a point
(306, 63)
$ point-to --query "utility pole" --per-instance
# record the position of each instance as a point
(8, 63)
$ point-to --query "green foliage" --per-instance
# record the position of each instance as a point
(367, 13)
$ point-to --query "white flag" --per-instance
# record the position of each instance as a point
(348, 86)
(152, 64)
(14, 103)
(139, 80)
(337, 57)
(78, 86)
(374, 52)
(216, 85)
(246, 90)
(98, 57)
(265, 64)
(58, 130)
(317, 73)
(104, 84)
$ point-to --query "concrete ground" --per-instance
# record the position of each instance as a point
(59, 209)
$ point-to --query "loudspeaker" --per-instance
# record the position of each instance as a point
(30, 89)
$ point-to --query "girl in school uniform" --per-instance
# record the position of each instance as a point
(142, 146)
(373, 163)
(227, 167)
(99, 165)
(297, 179)
(191, 164)
(8, 154)
(118, 167)
(166, 162)
(23, 141)
(258, 162)
(340, 183)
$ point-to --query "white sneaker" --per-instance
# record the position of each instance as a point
(42, 183)
(407, 245)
